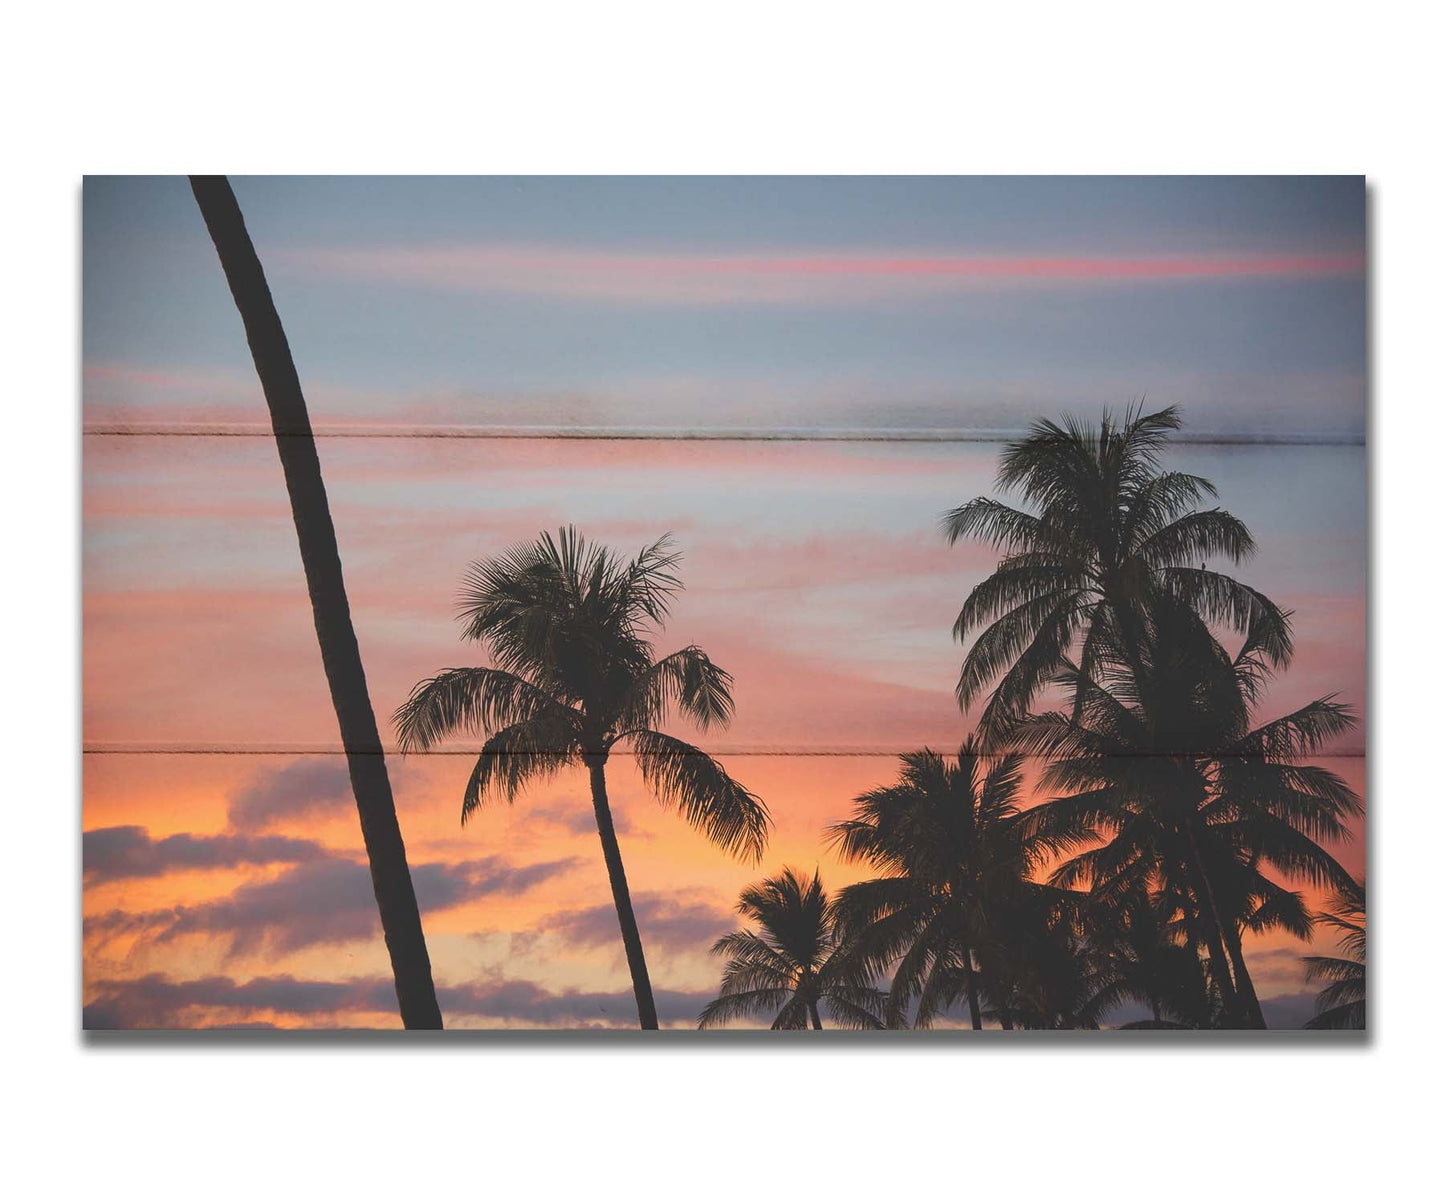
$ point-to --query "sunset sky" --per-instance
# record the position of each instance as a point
(224, 881)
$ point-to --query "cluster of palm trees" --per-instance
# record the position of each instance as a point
(1174, 821)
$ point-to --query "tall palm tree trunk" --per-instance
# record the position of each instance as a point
(621, 897)
(1242, 980)
(813, 1012)
(1214, 934)
(390, 877)
(1207, 933)
(1200, 981)
(971, 980)
(1195, 936)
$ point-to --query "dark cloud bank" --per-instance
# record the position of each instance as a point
(325, 900)
(109, 854)
(320, 896)
(667, 923)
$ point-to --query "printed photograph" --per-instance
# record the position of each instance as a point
(724, 603)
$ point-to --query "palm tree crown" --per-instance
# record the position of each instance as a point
(1111, 532)
(956, 864)
(1164, 776)
(792, 963)
(566, 623)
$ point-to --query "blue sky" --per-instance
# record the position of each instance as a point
(694, 302)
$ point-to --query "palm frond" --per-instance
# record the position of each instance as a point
(998, 524)
(648, 584)
(855, 1007)
(470, 700)
(731, 816)
(1301, 732)
(1349, 1015)
(517, 755)
(688, 679)
(1159, 500)
(1219, 598)
(742, 1005)
(746, 948)
(1016, 587)
(1333, 970)
(1038, 653)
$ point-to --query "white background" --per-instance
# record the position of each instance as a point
(738, 87)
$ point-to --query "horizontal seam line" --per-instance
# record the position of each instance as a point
(683, 436)
(280, 751)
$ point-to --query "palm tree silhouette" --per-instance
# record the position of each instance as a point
(1111, 532)
(1161, 760)
(566, 623)
(956, 862)
(1040, 975)
(792, 963)
(1136, 952)
(340, 654)
(1342, 1003)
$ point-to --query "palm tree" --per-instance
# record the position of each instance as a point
(1342, 1003)
(956, 862)
(1111, 532)
(792, 963)
(1042, 976)
(1162, 771)
(340, 654)
(1135, 950)
(573, 676)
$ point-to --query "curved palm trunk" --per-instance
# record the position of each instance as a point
(813, 1013)
(1196, 938)
(971, 979)
(340, 655)
(621, 898)
(1208, 932)
(1201, 980)
(1242, 980)
(1214, 935)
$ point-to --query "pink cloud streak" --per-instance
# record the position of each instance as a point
(778, 278)
(1005, 267)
